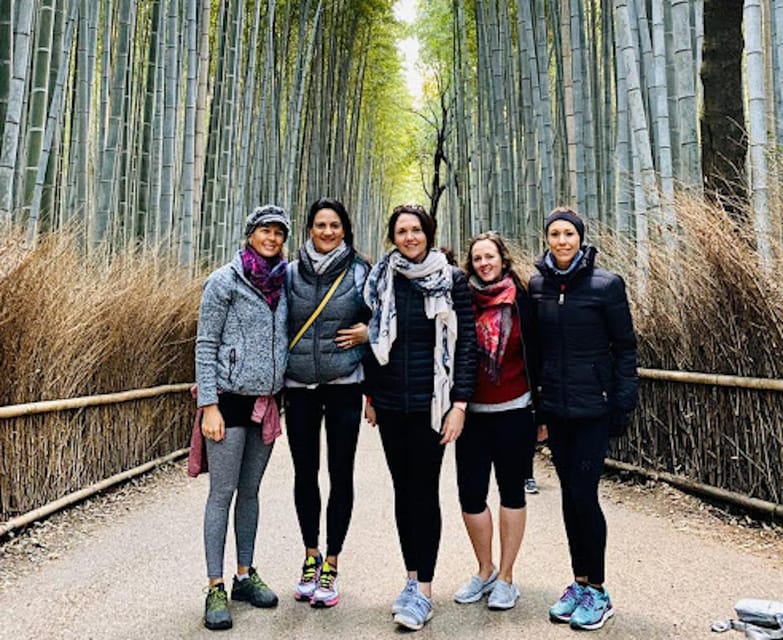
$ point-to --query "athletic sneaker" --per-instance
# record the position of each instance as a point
(411, 588)
(593, 610)
(475, 588)
(503, 596)
(531, 486)
(311, 571)
(216, 613)
(416, 612)
(253, 590)
(562, 609)
(325, 594)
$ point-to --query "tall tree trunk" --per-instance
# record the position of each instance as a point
(723, 141)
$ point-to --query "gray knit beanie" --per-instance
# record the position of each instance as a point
(268, 214)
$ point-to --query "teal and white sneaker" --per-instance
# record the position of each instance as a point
(562, 610)
(593, 610)
(411, 588)
(416, 612)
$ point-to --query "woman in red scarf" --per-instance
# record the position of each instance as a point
(499, 429)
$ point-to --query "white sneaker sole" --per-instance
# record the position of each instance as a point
(413, 625)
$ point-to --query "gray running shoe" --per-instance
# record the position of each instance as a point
(216, 613)
(503, 596)
(416, 612)
(475, 589)
(253, 590)
(531, 486)
(411, 588)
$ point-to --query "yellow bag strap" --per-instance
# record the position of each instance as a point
(318, 309)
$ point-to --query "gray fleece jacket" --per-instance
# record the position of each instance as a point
(241, 346)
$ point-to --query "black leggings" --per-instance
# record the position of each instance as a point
(341, 405)
(507, 440)
(414, 455)
(578, 450)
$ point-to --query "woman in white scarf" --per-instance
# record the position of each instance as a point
(423, 338)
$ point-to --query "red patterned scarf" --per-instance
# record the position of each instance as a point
(492, 305)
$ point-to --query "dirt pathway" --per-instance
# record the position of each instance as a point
(130, 565)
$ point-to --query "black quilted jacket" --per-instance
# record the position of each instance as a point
(405, 383)
(587, 345)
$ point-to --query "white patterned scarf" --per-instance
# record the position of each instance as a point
(433, 278)
(320, 262)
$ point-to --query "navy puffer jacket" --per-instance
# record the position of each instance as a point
(587, 344)
(405, 383)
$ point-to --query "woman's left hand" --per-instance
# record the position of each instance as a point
(452, 425)
(352, 336)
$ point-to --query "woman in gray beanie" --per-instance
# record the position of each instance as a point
(241, 356)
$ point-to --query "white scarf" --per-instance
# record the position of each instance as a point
(433, 278)
(322, 261)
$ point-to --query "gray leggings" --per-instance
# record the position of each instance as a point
(236, 465)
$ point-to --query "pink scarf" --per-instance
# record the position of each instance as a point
(265, 274)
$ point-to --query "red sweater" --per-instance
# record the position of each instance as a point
(513, 380)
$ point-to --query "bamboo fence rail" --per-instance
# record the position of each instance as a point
(12, 497)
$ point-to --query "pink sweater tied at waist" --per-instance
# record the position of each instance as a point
(265, 413)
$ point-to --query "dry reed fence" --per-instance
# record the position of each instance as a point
(71, 327)
(74, 326)
(709, 306)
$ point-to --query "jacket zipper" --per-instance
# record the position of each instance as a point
(405, 350)
(315, 327)
(563, 364)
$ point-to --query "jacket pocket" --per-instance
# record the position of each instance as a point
(602, 382)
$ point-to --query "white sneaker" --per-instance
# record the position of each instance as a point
(503, 596)
(475, 589)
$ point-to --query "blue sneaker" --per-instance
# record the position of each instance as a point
(593, 610)
(411, 588)
(562, 609)
(476, 588)
(416, 612)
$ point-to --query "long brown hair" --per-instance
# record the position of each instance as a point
(505, 256)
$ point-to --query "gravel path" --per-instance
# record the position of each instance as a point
(130, 565)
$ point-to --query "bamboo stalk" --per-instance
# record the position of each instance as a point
(49, 406)
(717, 379)
(737, 499)
(82, 494)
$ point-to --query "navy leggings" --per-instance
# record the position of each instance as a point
(578, 450)
(414, 455)
(505, 440)
(341, 406)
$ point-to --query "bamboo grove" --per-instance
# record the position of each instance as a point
(162, 122)
(148, 128)
(603, 105)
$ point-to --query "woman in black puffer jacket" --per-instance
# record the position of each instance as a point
(587, 384)
(423, 337)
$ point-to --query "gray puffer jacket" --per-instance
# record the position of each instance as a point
(242, 345)
(316, 358)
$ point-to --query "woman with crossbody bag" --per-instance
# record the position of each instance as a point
(327, 324)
